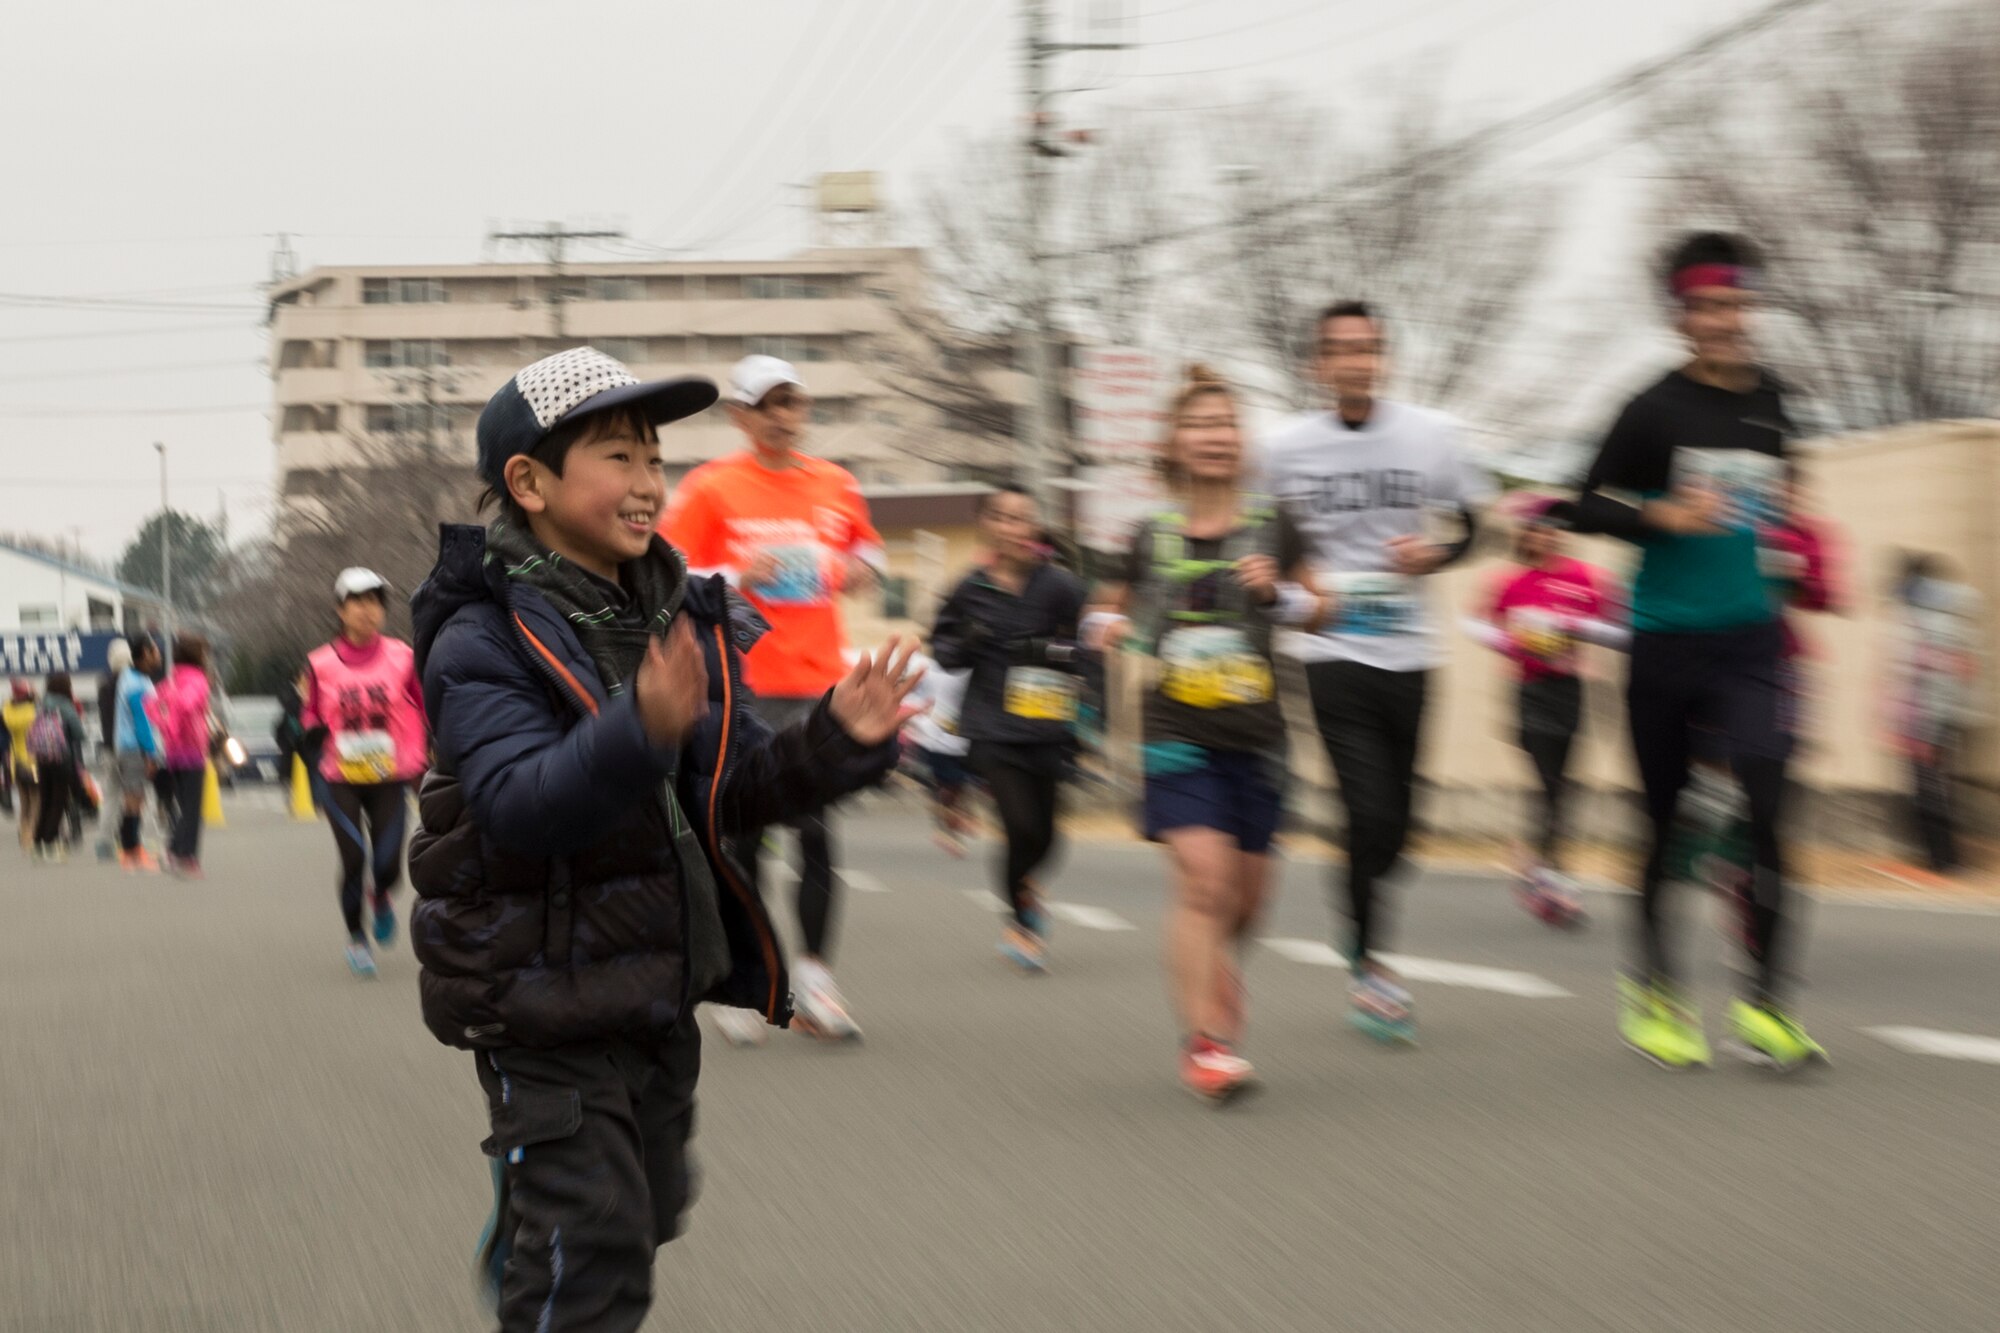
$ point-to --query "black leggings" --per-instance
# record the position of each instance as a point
(1370, 720)
(366, 818)
(1731, 683)
(814, 899)
(59, 782)
(1931, 804)
(1026, 785)
(186, 785)
(1551, 709)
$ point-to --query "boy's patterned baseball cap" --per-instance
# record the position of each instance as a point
(560, 388)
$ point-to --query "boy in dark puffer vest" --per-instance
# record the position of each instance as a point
(594, 754)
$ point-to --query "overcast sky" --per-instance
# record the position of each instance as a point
(152, 152)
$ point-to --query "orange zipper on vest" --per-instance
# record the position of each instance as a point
(764, 939)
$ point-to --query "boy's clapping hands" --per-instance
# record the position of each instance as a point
(869, 703)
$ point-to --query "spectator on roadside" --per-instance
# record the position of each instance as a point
(57, 744)
(1933, 695)
(19, 717)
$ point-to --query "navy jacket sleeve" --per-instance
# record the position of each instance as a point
(780, 776)
(536, 786)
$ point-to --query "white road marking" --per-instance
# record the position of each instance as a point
(1950, 1045)
(1077, 914)
(1436, 970)
(1090, 918)
(858, 880)
(1307, 951)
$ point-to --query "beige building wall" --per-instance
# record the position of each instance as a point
(1930, 486)
(831, 312)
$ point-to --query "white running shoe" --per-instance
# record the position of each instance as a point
(739, 1027)
(819, 1009)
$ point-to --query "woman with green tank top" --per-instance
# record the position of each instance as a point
(1204, 584)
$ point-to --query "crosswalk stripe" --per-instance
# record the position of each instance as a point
(858, 880)
(1950, 1045)
(1090, 918)
(1077, 914)
(1436, 970)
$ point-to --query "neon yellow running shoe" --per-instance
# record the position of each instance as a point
(1656, 1024)
(1771, 1038)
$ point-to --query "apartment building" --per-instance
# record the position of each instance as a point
(370, 361)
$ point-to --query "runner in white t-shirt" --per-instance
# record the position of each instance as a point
(1368, 482)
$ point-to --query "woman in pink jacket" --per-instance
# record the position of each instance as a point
(362, 690)
(180, 716)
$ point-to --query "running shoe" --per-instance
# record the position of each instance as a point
(1560, 904)
(385, 919)
(496, 1243)
(181, 867)
(1381, 1007)
(1771, 1038)
(1024, 948)
(1214, 1072)
(741, 1028)
(138, 862)
(1035, 915)
(359, 961)
(821, 1012)
(1653, 1021)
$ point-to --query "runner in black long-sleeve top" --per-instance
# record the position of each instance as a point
(1013, 622)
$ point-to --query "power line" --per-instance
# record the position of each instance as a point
(47, 410)
(1548, 116)
(50, 301)
(943, 72)
(133, 483)
(803, 65)
(212, 326)
(120, 372)
(1321, 7)
(1398, 20)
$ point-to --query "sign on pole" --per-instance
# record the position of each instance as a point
(1120, 398)
(24, 654)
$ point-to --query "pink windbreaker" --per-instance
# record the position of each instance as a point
(179, 711)
(372, 704)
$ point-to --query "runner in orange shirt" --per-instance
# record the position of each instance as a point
(792, 533)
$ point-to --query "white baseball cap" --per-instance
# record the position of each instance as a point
(755, 376)
(354, 581)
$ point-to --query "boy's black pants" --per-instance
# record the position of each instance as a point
(595, 1141)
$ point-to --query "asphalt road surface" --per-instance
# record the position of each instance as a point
(207, 1124)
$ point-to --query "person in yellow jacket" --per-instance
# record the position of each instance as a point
(18, 713)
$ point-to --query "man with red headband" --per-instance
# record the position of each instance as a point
(1693, 472)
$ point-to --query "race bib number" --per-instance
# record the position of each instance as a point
(1213, 666)
(1374, 604)
(1539, 633)
(1751, 485)
(799, 579)
(365, 757)
(1038, 694)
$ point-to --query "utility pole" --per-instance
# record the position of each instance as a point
(553, 239)
(1047, 454)
(166, 562)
